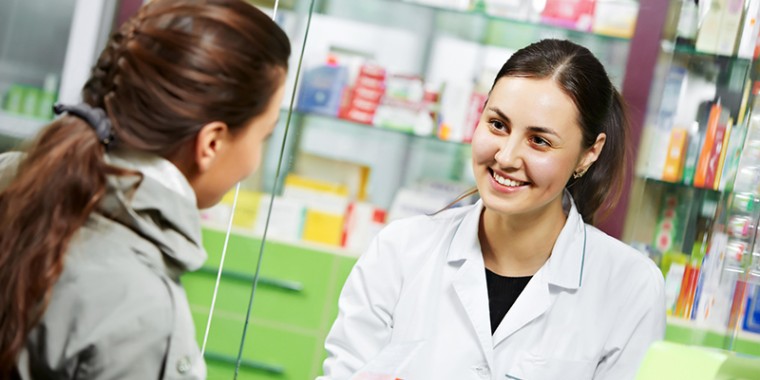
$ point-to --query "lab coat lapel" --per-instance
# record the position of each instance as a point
(534, 300)
(469, 282)
(470, 286)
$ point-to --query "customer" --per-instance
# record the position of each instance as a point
(519, 285)
(100, 215)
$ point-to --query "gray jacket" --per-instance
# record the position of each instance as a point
(118, 310)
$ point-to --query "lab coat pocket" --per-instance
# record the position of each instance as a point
(392, 361)
(533, 367)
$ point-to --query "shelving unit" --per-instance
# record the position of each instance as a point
(55, 59)
(693, 188)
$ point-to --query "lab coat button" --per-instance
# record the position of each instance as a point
(183, 364)
(482, 372)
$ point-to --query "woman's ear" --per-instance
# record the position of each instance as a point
(209, 142)
(591, 154)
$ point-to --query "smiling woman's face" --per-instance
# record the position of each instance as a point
(526, 147)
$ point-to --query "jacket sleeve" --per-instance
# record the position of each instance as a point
(646, 318)
(365, 318)
(101, 326)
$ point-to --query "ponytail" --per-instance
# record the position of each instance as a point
(598, 192)
(57, 185)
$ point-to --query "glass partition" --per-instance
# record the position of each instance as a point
(387, 96)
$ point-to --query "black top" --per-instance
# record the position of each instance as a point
(502, 294)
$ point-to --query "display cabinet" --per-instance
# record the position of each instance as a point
(46, 52)
(695, 196)
(383, 99)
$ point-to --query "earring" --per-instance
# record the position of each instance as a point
(579, 173)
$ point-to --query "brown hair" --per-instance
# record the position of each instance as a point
(173, 68)
(601, 109)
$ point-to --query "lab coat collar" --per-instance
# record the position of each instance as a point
(565, 265)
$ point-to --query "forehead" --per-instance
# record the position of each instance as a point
(534, 102)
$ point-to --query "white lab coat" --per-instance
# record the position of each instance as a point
(415, 307)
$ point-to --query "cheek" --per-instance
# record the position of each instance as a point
(483, 148)
(550, 170)
(253, 159)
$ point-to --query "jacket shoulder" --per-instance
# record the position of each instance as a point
(107, 310)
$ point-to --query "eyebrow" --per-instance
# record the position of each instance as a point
(531, 128)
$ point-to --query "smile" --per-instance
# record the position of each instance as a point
(506, 181)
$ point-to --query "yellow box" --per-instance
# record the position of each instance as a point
(674, 160)
(247, 207)
(321, 227)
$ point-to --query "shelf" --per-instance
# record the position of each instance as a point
(678, 184)
(484, 13)
(20, 127)
(340, 251)
(307, 116)
(690, 50)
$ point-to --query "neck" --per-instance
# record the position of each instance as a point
(519, 245)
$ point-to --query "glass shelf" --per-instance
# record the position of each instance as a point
(678, 184)
(480, 11)
(305, 117)
(690, 50)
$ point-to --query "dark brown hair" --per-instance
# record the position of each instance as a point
(173, 68)
(600, 107)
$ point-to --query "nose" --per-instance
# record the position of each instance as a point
(510, 154)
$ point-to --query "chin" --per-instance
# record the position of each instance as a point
(207, 202)
(501, 206)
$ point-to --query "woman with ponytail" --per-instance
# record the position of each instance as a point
(519, 285)
(99, 216)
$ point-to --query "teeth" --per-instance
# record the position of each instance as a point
(506, 181)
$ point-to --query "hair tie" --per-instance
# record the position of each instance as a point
(95, 117)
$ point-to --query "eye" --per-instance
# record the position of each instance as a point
(540, 141)
(497, 125)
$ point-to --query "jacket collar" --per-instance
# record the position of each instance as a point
(156, 210)
(565, 265)
(160, 207)
(158, 168)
